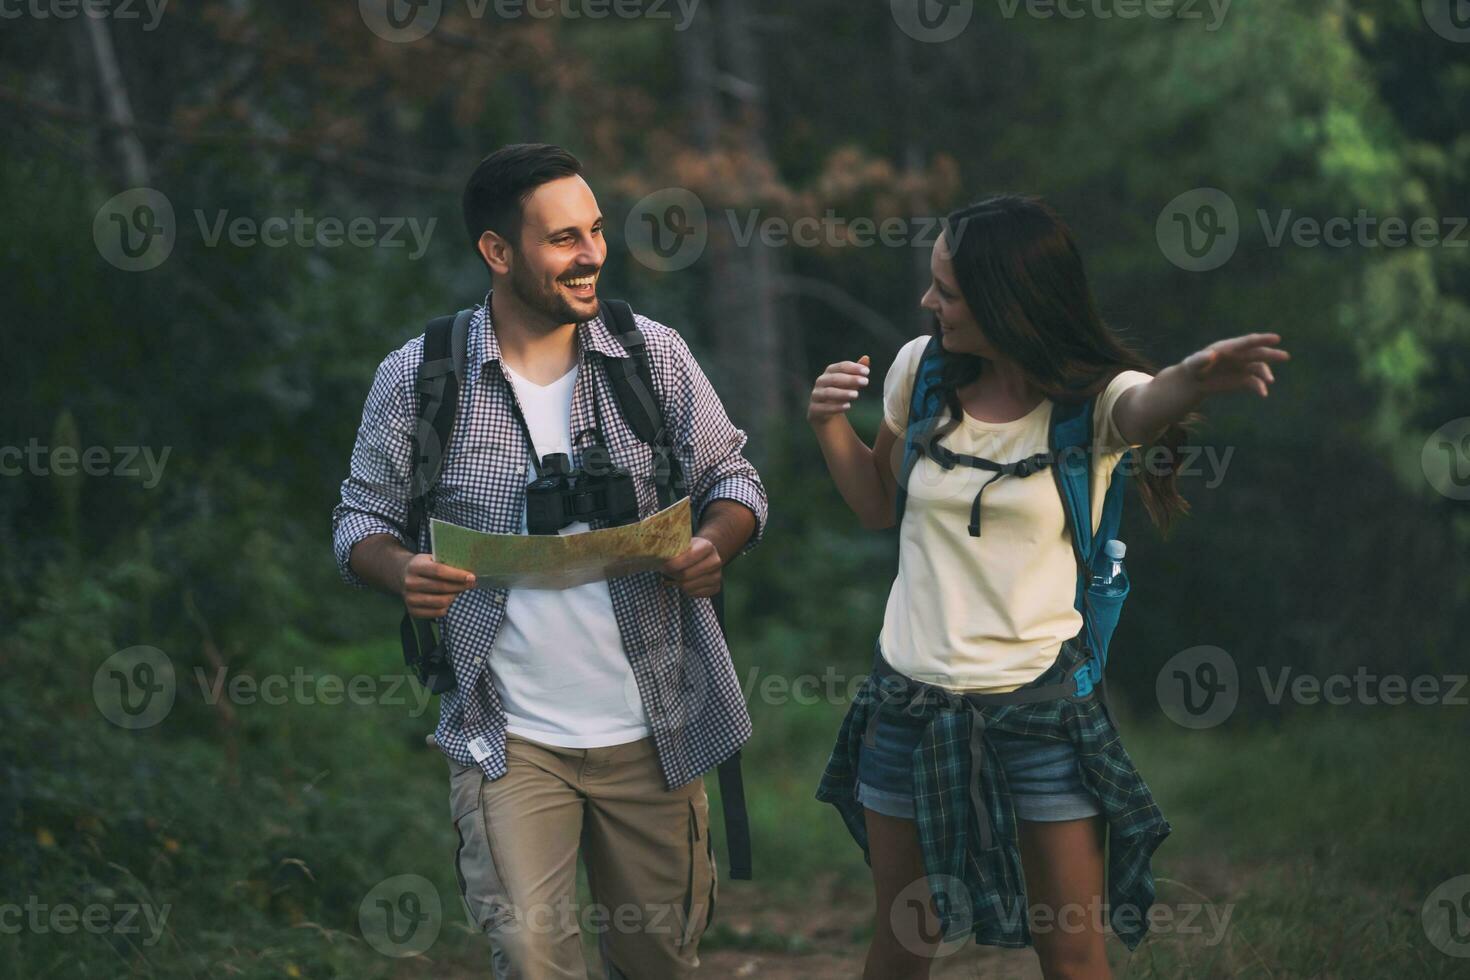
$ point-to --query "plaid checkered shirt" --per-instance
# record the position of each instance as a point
(680, 661)
(975, 872)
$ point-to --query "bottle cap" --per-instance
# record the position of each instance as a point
(1115, 549)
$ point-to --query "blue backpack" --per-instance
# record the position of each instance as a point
(1069, 458)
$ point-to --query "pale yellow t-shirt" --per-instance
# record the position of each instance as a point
(990, 613)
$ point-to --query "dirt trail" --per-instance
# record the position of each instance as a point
(818, 938)
(828, 934)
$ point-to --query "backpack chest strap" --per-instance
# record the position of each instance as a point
(949, 460)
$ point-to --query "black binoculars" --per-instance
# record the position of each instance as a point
(599, 490)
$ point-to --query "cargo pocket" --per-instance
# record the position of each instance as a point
(701, 888)
(480, 886)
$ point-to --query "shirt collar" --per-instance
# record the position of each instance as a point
(593, 334)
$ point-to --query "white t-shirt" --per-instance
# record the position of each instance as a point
(558, 661)
(987, 614)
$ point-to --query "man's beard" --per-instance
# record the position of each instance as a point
(546, 301)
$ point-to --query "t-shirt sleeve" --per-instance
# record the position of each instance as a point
(898, 384)
(1109, 439)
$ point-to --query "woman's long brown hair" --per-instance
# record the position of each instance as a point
(1020, 271)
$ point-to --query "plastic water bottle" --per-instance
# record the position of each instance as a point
(1113, 581)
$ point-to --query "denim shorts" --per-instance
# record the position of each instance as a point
(1044, 777)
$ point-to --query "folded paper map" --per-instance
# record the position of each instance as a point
(560, 561)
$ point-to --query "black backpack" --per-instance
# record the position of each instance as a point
(443, 364)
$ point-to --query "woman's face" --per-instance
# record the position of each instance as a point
(959, 331)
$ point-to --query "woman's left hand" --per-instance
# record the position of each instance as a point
(1240, 363)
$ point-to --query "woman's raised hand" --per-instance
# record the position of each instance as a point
(1240, 363)
(836, 389)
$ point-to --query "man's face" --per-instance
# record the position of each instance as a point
(556, 263)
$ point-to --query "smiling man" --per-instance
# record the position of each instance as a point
(583, 717)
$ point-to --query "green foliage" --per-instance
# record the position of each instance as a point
(1322, 549)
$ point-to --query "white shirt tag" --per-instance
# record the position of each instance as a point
(479, 749)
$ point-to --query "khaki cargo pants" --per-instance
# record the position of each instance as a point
(647, 850)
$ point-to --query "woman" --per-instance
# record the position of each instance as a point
(981, 647)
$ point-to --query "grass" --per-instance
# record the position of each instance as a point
(1325, 835)
(1321, 836)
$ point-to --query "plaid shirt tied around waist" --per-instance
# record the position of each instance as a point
(681, 664)
(962, 805)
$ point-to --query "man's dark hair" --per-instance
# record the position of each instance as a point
(498, 189)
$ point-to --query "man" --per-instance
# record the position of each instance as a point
(582, 717)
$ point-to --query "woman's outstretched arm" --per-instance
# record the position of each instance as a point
(1237, 364)
(864, 476)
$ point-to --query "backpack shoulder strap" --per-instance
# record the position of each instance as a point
(632, 383)
(1070, 441)
(924, 408)
(633, 378)
(441, 370)
(440, 373)
(459, 343)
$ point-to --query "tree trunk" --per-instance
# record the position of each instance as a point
(752, 345)
(115, 101)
